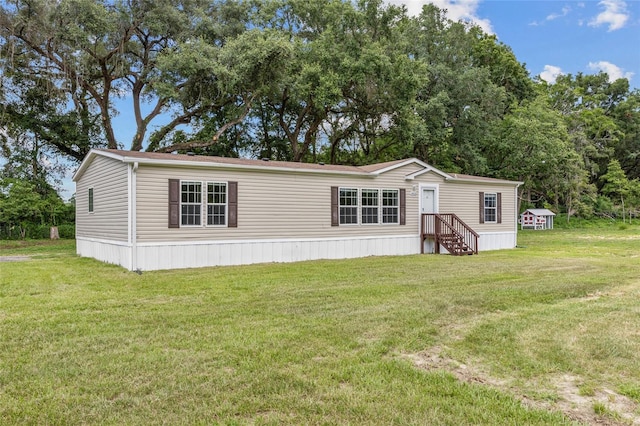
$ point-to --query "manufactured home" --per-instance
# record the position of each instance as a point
(149, 211)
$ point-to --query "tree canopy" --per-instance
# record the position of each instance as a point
(334, 81)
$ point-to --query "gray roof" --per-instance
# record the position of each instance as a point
(370, 170)
(541, 212)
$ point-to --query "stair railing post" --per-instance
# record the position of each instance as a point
(436, 237)
(422, 232)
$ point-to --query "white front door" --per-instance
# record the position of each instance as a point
(428, 201)
(428, 205)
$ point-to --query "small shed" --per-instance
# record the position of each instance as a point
(537, 219)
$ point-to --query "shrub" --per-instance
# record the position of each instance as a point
(38, 232)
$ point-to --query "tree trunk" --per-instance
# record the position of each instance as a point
(53, 233)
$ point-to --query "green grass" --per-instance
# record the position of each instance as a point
(323, 342)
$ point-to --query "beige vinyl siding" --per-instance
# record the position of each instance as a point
(108, 178)
(463, 200)
(429, 178)
(271, 204)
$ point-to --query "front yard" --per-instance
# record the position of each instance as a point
(548, 333)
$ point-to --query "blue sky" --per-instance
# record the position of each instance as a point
(553, 37)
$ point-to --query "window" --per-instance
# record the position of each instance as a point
(90, 200)
(194, 203)
(348, 206)
(390, 206)
(369, 199)
(490, 207)
(216, 203)
(353, 206)
(191, 203)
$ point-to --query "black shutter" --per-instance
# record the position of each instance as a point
(403, 209)
(233, 205)
(499, 209)
(174, 203)
(335, 217)
(482, 207)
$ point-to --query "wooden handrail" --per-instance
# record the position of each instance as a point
(448, 230)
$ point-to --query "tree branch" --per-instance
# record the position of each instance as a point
(214, 139)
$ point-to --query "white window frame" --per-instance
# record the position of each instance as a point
(207, 204)
(198, 204)
(396, 207)
(341, 206)
(362, 207)
(493, 208)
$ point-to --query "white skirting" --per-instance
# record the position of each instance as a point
(116, 252)
(487, 241)
(216, 253)
(496, 240)
(196, 254)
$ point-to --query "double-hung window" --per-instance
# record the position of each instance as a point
(390, 206)
(216, 203)
(490, 207)
(195, 203)
(348, 206)
(369, 207)
(191, 203)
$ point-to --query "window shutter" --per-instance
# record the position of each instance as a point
(174, 203)
(482, 207)
(403, 209)
(499, 209)
(335, 217)
(233, 205)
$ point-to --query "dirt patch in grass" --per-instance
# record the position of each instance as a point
(608, 237)
(616, 408)
(14, 244)
(14, 258)
(599, 407)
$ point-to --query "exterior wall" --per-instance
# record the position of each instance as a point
(109, 219)
(271, 205)
(104, 233)
(462, 198)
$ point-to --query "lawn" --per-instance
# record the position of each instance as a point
(548, 333)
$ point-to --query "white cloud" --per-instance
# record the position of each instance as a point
(615, 15)
(457, 10)
(551, 17)
(565, 12)
(614, 71)
(550, 73)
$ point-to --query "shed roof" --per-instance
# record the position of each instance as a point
(540, 212)
(165, 159)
